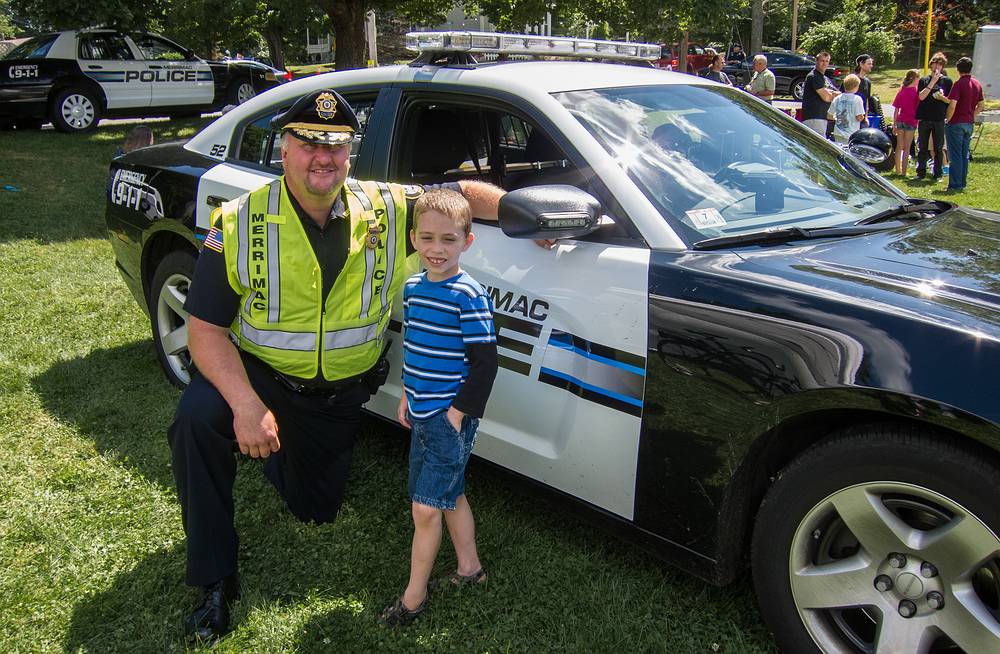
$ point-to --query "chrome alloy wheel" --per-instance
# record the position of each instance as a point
(78, 111)
(245, 92)
(886, 567)
(172, 325)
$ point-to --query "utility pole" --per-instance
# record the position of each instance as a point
(795, 22)
(370, 36)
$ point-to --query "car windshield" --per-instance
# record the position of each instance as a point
(34, 48)
(716, 162)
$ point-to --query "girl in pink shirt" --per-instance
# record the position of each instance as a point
(904, 121)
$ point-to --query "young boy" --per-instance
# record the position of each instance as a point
(449, 363)
(847, 109)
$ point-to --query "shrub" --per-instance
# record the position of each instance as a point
(850, 35)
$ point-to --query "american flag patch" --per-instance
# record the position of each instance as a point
(214, 240)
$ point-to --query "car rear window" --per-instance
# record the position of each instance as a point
(34, 48)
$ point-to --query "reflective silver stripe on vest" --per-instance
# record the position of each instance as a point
(278, 340)
(351, 337)
(273, 255)
(366, 289)
(249, 302)
(390, 241)
(243, 242)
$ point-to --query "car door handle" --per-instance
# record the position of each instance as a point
(155, 67)
(94, 67)
(215, 201)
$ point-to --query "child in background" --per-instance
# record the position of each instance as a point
(449, 363)
(139, 137)
(904, 120)
(847, 109)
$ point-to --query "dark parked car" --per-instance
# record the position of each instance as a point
(789, 68)
(75, 78)
(747, 350)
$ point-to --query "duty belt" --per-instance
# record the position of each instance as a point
(319, 388)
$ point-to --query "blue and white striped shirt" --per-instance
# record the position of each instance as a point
(444, 322)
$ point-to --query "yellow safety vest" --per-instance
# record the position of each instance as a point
(283, 318)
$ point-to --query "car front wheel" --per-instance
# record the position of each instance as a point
(881, 540)
(168, 318)
(798, 87)
(75, 110)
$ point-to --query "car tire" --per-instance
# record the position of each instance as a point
(240, 90)
(798, 88)
(168, 318)
(75, 110)
(831, 530)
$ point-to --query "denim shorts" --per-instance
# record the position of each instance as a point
(438, 455)
(905, 126)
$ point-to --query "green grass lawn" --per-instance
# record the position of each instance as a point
(91, 546)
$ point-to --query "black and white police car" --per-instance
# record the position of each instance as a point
(75, 78)
(756, 350)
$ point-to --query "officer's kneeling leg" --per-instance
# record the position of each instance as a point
(317, 440)
(201, 442)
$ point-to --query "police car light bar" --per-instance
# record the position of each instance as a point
(528, 44)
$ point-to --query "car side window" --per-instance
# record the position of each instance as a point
(156, 49)
(777, 60)
(447, 142)
(104, 46)
(261, 145)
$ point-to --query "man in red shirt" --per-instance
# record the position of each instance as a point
(965, 103)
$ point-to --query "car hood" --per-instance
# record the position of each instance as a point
(945, 268)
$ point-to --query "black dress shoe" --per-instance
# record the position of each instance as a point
(210, 618)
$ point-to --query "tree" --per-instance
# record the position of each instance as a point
(348, 20)
(72, 14)
(842, 38)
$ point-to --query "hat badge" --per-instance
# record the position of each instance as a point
(326, 106)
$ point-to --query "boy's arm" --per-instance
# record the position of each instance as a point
(475, 391)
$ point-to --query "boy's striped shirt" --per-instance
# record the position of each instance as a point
(443, 322)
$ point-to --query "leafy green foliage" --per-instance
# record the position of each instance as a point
(849, 35)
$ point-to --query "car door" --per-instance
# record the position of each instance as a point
(779, 65)
(108, 59)
(252, 158)
(175, 77)
(571, 322)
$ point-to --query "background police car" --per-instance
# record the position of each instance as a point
(75, 78)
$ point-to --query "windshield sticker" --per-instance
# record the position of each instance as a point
(703, 218)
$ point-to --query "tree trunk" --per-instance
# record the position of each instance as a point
(682, 56)
(348, 20)
(756, 27)
(275, 46)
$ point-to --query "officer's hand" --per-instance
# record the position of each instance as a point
(401, 412)
(256, 430)
(545, 243)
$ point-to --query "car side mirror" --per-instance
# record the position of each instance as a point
(549, 212)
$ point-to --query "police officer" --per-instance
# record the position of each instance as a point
(289, 307)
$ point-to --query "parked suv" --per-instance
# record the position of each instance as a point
(696, 57)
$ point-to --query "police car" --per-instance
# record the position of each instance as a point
(75, 78)
(745, 349)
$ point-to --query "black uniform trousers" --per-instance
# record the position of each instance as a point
(925, 130)
(317, 435)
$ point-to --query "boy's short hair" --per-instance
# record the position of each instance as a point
(447, 202)
(139, 137)
(851, 83)
(939, 58)
(824, 53)
(964, 65)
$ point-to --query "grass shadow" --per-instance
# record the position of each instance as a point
(62, 178)
(119, 399)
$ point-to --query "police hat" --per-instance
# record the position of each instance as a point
(321, 117)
